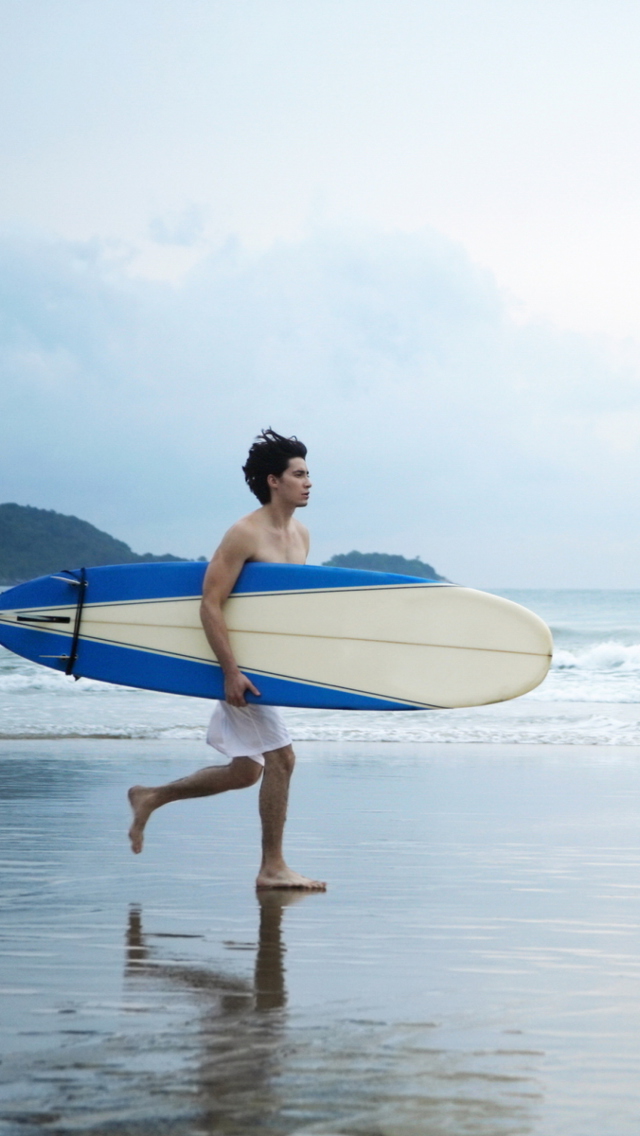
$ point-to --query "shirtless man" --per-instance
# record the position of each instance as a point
(254, 737)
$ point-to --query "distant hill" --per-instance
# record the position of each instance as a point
(35, 542)
(383, 562)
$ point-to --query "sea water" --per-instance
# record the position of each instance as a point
(590, 696)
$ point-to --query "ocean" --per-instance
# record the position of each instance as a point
(589, 698)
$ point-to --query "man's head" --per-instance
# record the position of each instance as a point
(270, 456)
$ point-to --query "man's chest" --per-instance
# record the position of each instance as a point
(275, 549)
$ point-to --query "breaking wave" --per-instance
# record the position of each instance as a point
(603, 657)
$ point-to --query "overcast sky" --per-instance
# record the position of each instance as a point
(406, 231)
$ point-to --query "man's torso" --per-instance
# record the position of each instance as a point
(275, 546)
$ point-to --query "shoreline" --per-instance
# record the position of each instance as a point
(193, 749)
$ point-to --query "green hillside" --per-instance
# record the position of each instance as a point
(384, 562)
(35, 542)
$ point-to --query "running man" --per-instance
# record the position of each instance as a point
(253, 737)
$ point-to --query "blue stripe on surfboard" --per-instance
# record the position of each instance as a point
(131, 582)
(108, 662)
(110, 584)
(312, 577)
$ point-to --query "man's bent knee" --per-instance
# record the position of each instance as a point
(283, 758)
(246, 772)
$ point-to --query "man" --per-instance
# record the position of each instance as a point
(253, 737)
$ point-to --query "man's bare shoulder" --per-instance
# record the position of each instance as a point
(255, 537)
(243, 535)
(239, 544)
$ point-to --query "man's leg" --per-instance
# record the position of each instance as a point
(238, 774)
(274, 796)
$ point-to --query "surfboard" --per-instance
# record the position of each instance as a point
(306, 636)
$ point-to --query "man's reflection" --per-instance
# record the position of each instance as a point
(239, 1035)
(269, 992)
(245, 1065)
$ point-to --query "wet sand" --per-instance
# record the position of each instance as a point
(474, 968)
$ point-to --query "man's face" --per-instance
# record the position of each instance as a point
(294, 485)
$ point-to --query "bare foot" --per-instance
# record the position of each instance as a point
(285, 878)
(141, 801)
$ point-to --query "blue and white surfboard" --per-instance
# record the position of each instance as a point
(306, 636)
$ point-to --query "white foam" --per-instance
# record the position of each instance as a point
(600, 730)
(608, 671)
(103, 730)
(603, 657)
(593, 730)
(24, 679)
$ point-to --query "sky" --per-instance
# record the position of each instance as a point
(405, 231)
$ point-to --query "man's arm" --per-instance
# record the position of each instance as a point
(220, 577)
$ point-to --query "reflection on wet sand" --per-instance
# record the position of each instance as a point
(241, 1024)
(252, 1067)
(268, 991)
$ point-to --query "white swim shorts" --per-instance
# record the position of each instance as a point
(247, 731)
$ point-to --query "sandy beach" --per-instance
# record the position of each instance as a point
(474, 966)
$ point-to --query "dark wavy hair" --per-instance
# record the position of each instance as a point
(270, 453)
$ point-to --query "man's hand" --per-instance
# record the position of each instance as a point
(236, 685)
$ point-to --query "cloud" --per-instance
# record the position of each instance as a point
(182, 228)
(436, 425)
